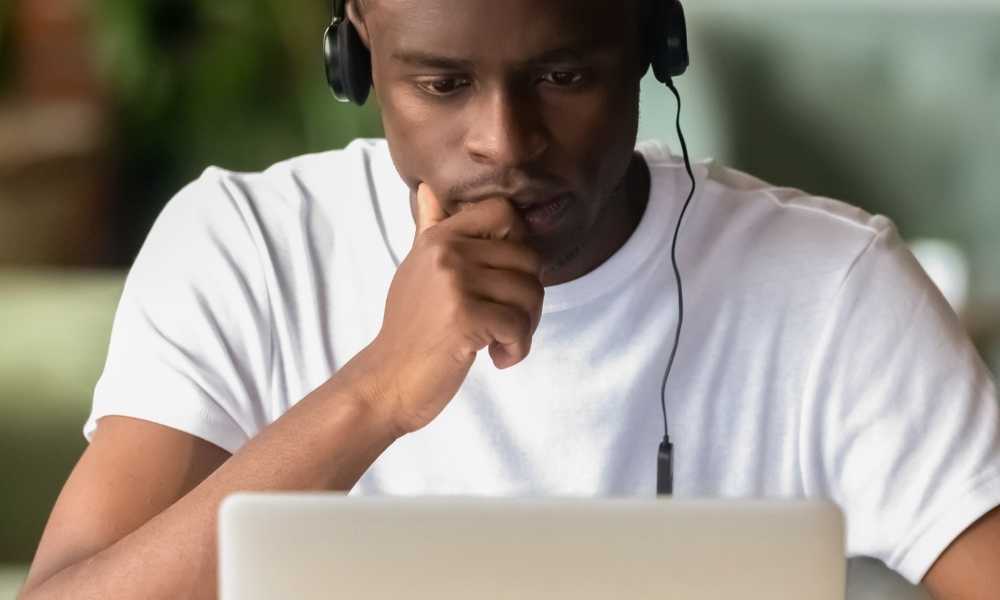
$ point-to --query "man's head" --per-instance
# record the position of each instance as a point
(521, 98)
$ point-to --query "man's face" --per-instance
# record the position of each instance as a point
(529, 99)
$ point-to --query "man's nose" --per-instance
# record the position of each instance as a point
(505, 130)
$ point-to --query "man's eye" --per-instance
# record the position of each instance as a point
(444, 86)
(563, 78)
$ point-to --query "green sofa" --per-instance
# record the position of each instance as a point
(54, 329)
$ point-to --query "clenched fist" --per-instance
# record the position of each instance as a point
(468, 282)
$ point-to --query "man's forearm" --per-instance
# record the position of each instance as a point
(325, 442)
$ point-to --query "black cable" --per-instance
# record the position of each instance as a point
(665, 457)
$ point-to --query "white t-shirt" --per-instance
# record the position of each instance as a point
(817, 359)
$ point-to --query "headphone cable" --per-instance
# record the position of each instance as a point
(665, 464)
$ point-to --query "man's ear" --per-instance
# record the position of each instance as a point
(359, 23)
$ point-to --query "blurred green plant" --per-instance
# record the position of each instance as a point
(233, 83)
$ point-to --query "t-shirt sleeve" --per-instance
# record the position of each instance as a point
(190, 340)
(904, 420)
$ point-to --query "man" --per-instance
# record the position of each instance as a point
(269, 337)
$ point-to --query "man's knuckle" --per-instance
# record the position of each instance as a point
(441, 254)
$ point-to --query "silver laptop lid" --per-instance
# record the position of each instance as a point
(312, 546)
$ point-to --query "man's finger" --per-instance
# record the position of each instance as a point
(429, 210)
(495, 218)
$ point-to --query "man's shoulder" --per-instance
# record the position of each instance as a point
(752, 195)
(757, 231)
(304, 176)
(348, 157)
(740, 198)
(758, 218)
(324, 185)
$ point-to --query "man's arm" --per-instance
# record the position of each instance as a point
(969, 569)
(137, 517)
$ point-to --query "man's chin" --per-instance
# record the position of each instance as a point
(557, 262)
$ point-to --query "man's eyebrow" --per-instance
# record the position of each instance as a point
(573, 52)
(418, 58)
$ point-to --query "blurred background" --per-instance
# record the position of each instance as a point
(108, 107)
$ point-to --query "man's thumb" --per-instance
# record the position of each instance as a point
(429, 211)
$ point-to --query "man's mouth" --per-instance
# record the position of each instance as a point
(541, 212)
(544, 216)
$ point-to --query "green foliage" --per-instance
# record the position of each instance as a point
(233, 83)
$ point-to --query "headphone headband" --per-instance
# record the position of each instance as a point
(339, 10)
(348, 61)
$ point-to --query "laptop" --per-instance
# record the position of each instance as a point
(312, 546)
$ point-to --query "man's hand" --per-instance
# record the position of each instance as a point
(468, 282)
(969, 569)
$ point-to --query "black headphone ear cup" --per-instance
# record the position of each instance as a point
(356, 63)
(331, 60)
(348, 63)
(668, 43)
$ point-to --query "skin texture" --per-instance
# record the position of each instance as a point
(969, 569)
(137, 517)
(480, 286)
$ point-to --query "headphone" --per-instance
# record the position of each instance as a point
(349, 75)
(349, 63)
